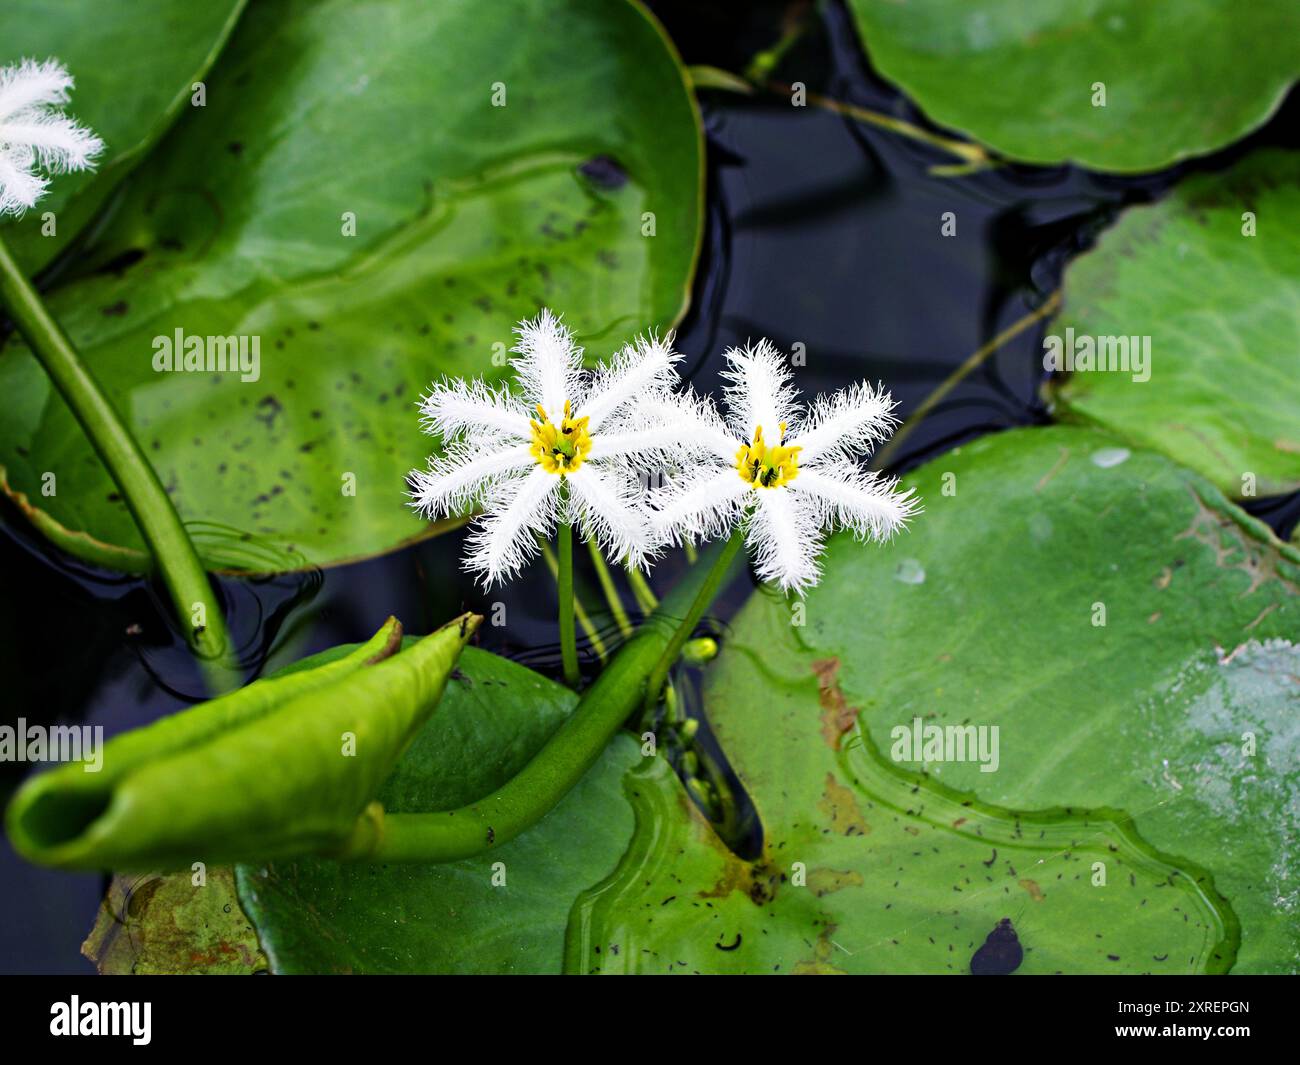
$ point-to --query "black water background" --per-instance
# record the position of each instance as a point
(821, 231)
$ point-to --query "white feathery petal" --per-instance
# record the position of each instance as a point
(643, 446)
(785, 539)
(843, 493)
(505, 539)
(35, 133)
(661, 432)
(844, 424)
(549, 364)
(20, 186)
(644, 367)
(59, 143)
(455, 408)
(463, 475)
(760, 391)
(606, 503)
(30, 84)
(704, 433)
(703, 504)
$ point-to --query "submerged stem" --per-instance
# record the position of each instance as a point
(973, 157)
(972, 362)
(170, 546)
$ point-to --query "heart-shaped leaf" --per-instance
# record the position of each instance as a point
(374, 194)
(1208, 282)
(136, 66)
(1112, 84)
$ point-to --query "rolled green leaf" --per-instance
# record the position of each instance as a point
(283, 767)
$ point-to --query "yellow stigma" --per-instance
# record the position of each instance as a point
(562, 448)
(766, 466)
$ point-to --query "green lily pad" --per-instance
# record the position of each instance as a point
(1022, 78)
(468, 217)
(1161, 744)
(1222, 311)
(504, 911)
(135, 66)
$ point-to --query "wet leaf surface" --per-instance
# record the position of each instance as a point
(1181, 713)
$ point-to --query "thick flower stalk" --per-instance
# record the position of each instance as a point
(287, 766)
(784, 473)
(35, 135)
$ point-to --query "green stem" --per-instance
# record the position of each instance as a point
(708, 590)
(150, 506)
(588, 629)
(564, 588)
(764, 62)
(525, 799)
(973, 157)
(612, 597)
(641, 591)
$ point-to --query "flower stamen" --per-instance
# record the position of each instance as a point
(560, 449)
(766, 465)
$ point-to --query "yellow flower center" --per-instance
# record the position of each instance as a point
(563, 448)
(767, 466)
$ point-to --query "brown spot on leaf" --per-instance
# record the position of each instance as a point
(826, 881)
(1035, 892)
(840, 806)
(820, 963)
(837, 716)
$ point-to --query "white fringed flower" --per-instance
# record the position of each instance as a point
(36, 134)
(509, 454)
(792, 473)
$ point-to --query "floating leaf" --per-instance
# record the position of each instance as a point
(1211, 275)
(1023, 78)
(468, 216)
(135, 66)
(1161, 743)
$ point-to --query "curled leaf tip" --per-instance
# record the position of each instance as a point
(391, 631)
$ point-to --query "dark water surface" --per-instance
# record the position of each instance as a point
(821, 231)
